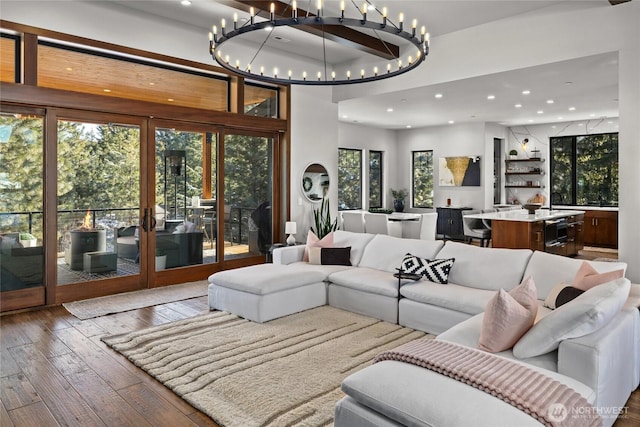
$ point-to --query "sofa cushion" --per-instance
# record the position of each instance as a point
(357, 241)
(386, 252)
(435, 270)
(452, 296)
(560, 295)
(584, 315)
(508, 316)
(367, 280)
(326, 270)
(264, 279)
(548, 270)
(587, 276)
(330, 256)
(485, 268)
(314, 242)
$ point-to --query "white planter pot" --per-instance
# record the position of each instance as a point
(29, 243)
(161, 262)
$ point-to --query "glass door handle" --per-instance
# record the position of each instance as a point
(145, 219)
(152, 217)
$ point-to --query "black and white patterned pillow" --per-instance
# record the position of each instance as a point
(435, 270)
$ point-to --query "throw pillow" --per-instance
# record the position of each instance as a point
(561, 294)
(330, 256)
(586, 314)
(587, 277)
(505, 320)
(313, 241)
(435, 270)
(508, 316)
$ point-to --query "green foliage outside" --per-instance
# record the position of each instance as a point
(422, 179)
(349, 179)
(375, 179)
(595, 177)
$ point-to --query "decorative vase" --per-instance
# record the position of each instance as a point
(398, 205)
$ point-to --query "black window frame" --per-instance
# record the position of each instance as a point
(264, 86)
(574, 165)
(413, 178)
(359, 175)
(379, 193)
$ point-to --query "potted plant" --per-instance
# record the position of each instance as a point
(27, 240)
(513, 154)
(161, 260)
(322, 220)
(398, 198)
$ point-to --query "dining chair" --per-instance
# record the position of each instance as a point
(428, 226)
(475, 229)
(353, 221)
(412, 229)
(487, 222)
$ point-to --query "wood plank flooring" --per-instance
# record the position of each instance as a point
(55, 371)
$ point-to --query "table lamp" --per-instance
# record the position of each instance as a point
(290, 229)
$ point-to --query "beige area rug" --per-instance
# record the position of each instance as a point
(102, 306)
(286, 372)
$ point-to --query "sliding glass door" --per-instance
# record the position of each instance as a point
(98, 201)
(22, 220)
(248, 194)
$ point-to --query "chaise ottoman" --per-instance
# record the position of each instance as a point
(266, 291)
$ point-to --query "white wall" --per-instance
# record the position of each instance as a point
(314, 139)
(368, 138)
(451, 140)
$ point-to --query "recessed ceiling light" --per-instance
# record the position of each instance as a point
(560, 117)
(69, 69)
(540, 112)
(345, 117)
(170, 99)
(592, 115)
(371, 7)
(530, 120)
(491, 97)
(268, 28)
(185, 3)
(451, 122)
(549, 101)
(408, 126)
(553, 127)
(152, 84)
(572, 108)
(389, 110)
(568, 83)
(518, 105)
(438, 95)
(526, 92)
(106, 90)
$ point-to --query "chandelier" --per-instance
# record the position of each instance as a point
(377, 48)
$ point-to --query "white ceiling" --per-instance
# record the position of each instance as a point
(590, 85)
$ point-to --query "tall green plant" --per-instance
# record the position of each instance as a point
(322, 220)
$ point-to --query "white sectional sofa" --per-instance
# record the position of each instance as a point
(603, 366)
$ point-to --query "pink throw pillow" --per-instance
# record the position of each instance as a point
(313, 241)
(508, 316)
(587, 277)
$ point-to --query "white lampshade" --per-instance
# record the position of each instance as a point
(290, 227)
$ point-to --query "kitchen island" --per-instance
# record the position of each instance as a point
(556, 231)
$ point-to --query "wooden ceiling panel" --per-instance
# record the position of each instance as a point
(7, 60)
(82, 72)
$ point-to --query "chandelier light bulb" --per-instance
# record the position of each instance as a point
(275, 73)
(210, 36)
(261, 71)
(384, 12)
(341, 10)
(272, 12)
(319, 75)
(414, 24)
(333, 75)
(252, 12)
(388, 67)
(348, 74)
(410, 60)
(294, 9)
(362, 73)
(289, 74)
(249, 67)
(226, 59)
(237, 63)
(400, 21)
(319, 7)
(375, 71)
(399, 63)
(304, 75)
(235, 21)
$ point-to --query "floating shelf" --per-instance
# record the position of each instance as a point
(523, 173)
(532, 159)
(522, 186)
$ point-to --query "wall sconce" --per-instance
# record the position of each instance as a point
(290, 229)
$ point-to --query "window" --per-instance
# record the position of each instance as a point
(10, 60)
(584, 170)
(349, 179)
(261, 101)
(422, 179)
(375, 179)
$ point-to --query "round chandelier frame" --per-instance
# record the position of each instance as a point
(322, 77)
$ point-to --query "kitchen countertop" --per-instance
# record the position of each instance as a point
(523, 215)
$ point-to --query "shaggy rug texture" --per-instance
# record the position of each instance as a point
(286, 372)
(102, 306)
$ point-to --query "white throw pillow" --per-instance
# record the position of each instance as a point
(586, 314)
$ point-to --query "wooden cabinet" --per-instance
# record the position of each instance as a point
(575, 234)
(449, 223)
(518, 235)
(601, 228)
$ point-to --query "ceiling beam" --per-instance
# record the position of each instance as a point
(615, 2)
(343, 35)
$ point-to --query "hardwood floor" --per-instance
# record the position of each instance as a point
(54, 370)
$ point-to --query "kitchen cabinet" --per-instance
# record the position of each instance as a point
(601, 228)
